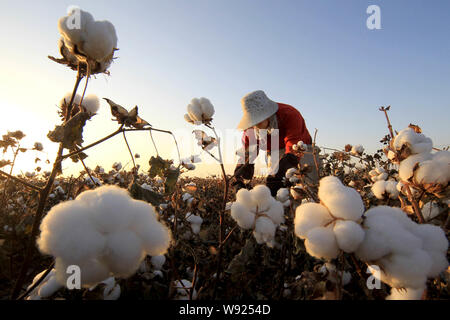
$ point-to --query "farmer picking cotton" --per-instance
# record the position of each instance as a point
(265, 122)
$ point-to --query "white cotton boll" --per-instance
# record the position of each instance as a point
(343, 202)
(391, 155)
(156, 237)
(112, 290)
(357, 150)
(282, 194)
(309, 216)
(434, 241)
(264, 230)
(112, 208)
(124, 253)
(194, 110)
(349, 235)
(262, 197)
(196, 222)
(406, 271)
(406, 168)
(46, 288)
(207, 108)
(92, 271)
(244, 218)
(321, 243)
(158, 262)
(101, 40)
(406, 294)
(91, 103)
(290, 172)
(276, 212)
(430, 210)
(417, 142)
(379, 189)
(391, 189)
(436, 170)
(74, 36)
(67, 232)
(188, 118)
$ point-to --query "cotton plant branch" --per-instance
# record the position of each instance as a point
(43, 195)
(29, 185)
(129, 150)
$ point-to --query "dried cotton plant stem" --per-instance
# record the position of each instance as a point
(43, 195)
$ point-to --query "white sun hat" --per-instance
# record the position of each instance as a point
(257, 107)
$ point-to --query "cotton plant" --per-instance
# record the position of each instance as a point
(406, 253)
(333, 225)
(103, 231)
(257, 210)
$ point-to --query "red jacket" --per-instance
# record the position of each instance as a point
(291, 126)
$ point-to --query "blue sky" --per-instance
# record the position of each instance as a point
(318, 56)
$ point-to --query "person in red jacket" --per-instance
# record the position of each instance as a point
(276, 128)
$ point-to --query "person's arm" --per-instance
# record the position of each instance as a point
(295, 130)
(245, 168)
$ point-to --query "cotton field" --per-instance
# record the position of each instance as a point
(374, 226)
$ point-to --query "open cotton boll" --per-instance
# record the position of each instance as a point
(207, 108)
(435, 243)
(430, 210)
(74, 36)
(436, 170)
(46, 288)
(406, 271)
(406, 294)
(244, 197)
(183, 287)
(309, 216)
(357, 150)
(112, 290)
(195, 110)
(343, 202)
(276, 212)
(290, 172)
(158, 261)
(282, 194)
(321, 243)
(262, 197)
(67, 232)
(103, 231)
(244, 218)
(264, 230)
(95, 39)
(406, 168)
(196, 222)
(391, 189)
(101, 40)
(417, 142)
(124, 253)
(91, 103)
(380, 188)
(349, 235)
